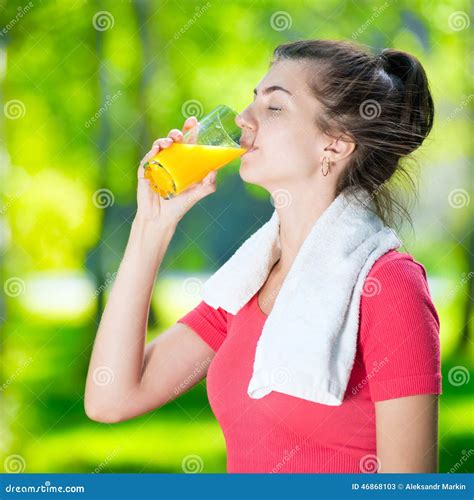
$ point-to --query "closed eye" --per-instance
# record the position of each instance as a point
(275, 109)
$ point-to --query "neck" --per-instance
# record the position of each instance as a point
(296, 221)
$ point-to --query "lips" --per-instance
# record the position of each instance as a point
(251, 150)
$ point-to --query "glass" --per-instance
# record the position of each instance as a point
(210, 145)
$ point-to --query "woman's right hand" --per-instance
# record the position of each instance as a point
(150, 205)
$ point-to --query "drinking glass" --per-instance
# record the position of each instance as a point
(211, 144)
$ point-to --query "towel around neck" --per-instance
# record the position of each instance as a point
(308, 342)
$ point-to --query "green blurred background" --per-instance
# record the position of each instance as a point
(86, 87)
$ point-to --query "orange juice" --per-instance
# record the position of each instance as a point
(175, 168)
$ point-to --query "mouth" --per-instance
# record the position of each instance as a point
(249, 151)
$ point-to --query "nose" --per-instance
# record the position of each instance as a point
(242, 121)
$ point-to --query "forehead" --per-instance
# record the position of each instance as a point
(289, 74)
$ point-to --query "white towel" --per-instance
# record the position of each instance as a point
(308, 343)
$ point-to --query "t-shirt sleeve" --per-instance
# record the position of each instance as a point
(399, 337)
(209, 323)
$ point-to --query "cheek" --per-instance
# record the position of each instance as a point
(277, 139)
(292, 154)
(286, 146)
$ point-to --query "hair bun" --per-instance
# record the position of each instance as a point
(398, 63)
(409, 77)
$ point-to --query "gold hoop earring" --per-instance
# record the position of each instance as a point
(325, 162)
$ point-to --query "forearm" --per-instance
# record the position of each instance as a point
(118, 353)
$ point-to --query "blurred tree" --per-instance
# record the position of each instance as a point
(148, 71)
(95, 256)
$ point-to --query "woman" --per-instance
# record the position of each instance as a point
(326, 117)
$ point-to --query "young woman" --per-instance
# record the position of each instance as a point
(326, 117)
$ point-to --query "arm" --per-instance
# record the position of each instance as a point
(407, 434)
(126, 377)
(400, 326)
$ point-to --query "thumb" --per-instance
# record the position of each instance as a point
(207, 185)
(203, 188)
(210, 178)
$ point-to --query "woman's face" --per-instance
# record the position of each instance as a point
(280, 125)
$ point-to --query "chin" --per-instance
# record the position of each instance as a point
(247, 172)
(252, 174)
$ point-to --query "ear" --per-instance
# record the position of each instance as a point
(341, 147)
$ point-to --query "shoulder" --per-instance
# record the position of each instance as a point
(209, 323)
(394, 259)
(396, 297)
(204, 313)
(399, 329)
(395, 276)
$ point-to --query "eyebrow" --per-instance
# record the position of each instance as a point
(271, 89)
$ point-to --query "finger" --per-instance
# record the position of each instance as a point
(155, 149)
(163, 142)
(189, 123)
(191, 129)
(210, 177)
(176, 135)
(197, 191)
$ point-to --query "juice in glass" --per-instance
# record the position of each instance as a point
(175, 168)
(213, 143)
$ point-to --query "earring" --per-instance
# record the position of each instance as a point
(325, 162)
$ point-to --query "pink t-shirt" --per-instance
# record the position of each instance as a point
(398, 354)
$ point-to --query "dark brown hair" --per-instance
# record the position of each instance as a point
(382, 102)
